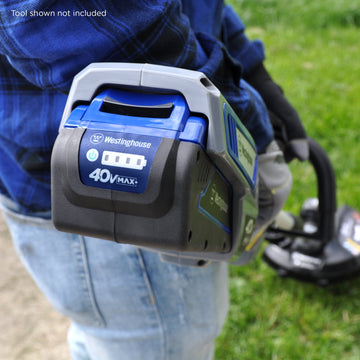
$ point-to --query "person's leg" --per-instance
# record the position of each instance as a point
(154, 309)
(124, 302)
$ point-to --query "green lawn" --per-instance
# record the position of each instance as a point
(313, 51)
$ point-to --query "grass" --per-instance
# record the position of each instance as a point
(313, 51)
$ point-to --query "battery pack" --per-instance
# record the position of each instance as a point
(155, 157)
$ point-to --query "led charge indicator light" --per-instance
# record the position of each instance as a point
(123, 160)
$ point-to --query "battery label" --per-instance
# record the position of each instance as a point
(240, 145)
(215, 203)
(117, 161)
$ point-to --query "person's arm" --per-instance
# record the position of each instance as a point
(49, 50)
(289, 131)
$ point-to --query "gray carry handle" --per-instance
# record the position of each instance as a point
(198, 90)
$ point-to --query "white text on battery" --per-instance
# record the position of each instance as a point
(123, 160)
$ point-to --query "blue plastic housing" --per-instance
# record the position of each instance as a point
(123, 133)
(180, 124)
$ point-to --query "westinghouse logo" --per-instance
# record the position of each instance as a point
(218, 200)
(127, 142)
(97, 138)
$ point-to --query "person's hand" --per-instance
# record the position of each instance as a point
(289, 131)
(275, 182)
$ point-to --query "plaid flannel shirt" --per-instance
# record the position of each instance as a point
(44, 44)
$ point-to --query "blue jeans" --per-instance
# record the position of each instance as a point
(124, 302)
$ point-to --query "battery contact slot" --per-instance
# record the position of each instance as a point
(206, 244)
(189, 236)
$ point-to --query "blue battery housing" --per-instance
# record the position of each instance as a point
(123, 132)
(140, 113)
